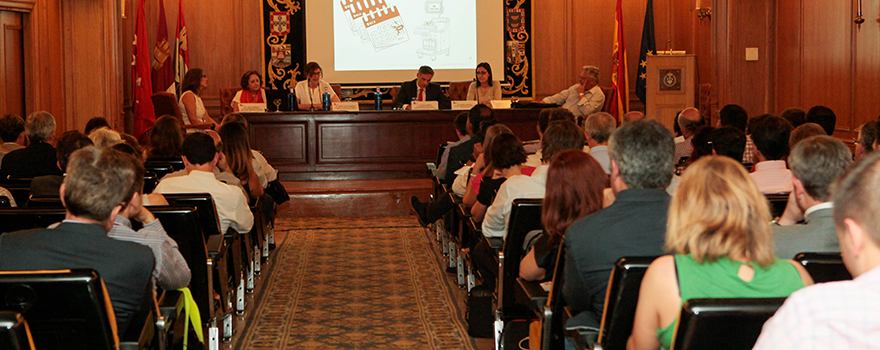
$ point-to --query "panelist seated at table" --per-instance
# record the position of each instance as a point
(422, 89)
(310, 92)
(251, 90)
(583, 98)
(484, 89)
(192, 109)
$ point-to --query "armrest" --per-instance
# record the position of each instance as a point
(168, 304)
(216, 246)
(537, 296)
(432, 168)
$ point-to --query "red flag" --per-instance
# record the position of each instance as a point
(144, 115)
(619, 80)
(163, 72)
(182, 50)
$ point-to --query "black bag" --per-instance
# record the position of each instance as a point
(479, 312)
(277, 191)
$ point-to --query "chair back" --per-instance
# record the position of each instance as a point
(14, 332)
(723, 324)
(525, 216)
(226, 96)
(209, 220)
(4, 202)
(553, 332)
(620, 301)
(159, 169)
(150, 181)
(16, 219)
(175, 163)
(166, 103)
(65, 309)
(458, 90)
(338, 90)
(777, 203)
(824, 267)
(609, 98)
(45, 202)
(19, 187)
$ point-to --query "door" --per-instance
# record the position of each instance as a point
(12, 96)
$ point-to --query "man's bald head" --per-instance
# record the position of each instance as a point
(632, 116)
(689, 120)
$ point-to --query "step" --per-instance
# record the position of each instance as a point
(353, 197)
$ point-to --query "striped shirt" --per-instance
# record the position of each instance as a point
(171, 270)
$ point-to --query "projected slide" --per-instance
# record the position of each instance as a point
(374, 35)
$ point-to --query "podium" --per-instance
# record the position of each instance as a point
(671, 86)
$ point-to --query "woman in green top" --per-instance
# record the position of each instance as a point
(719, 229)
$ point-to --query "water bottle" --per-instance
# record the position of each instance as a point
(326, 101)
(291, 100)
(378, 97)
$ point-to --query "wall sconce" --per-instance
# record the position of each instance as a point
(858, 20)
(703, 12)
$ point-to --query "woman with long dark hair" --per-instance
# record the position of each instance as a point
(484, 89)
(236, 147)
(192, 109)
(166, 138)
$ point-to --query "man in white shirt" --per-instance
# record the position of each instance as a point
(12, 133)
(583, 98)
(770, 134)
(688, 121)
(199, 157)
(598, 128)
(846, 314)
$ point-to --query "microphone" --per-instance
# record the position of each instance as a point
(311, 102)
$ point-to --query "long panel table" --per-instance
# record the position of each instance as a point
(364, 144)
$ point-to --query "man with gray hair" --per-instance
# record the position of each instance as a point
(38, 158)
(815, 162)
(597, 129)
(583, 98)
(845, 314)
(634, 225)
(688, 121)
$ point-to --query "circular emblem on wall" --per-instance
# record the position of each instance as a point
(669, 80)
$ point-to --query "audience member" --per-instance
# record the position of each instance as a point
(795, 116)
(702, 143)
(422, 89)
(733, 115)
(98, 180)
(133, 142)
(634, 225)
(803, 132)
(200, 156)
(166, 138)
(460, 123)
(266, 173)
(38, 158)
(49, 185)
(543, 121)
(503, 161)
(597, 129)
(104, 137)
(815, 163)
(823, 116)
(575, 182)
(459, 155)
(846, 314)
(720, 234)
(729, 141)
(483, 162)
(547, 116)
(583, 98)
(12, 133)
(632, 116)
(96, 123)
(239, 158)
(771, 135)
(688, 120)
(867, 138)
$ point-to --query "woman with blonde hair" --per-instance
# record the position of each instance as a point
(719, 231)
(236, 147)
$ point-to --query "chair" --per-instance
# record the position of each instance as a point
(609, 98)
(338, 90)
(45, 202)
(14, 332)
(724, 323)
(226, 96)
(824, 267)
(159, 169)
(394, 92)
(525, 216)
(19, 187)
(4, 202)
(150, 182)
(553, 322)
(777, 203)
(66, 309)
(16, 219)
(620, 301)
(458, 89)
(166, 103)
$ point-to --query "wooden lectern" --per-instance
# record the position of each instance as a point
(671, 86)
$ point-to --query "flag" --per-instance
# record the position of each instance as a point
(144, 115)
(181, 52)
(649, 47)
(163, 72)
(619, 79)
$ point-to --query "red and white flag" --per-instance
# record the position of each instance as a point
(182, 51)
(618, 68)
(163, 70)
(144, 114)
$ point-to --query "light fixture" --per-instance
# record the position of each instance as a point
(703, 12)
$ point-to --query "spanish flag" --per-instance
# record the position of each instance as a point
(618, 68)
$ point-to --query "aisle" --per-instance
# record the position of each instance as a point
(355, 283)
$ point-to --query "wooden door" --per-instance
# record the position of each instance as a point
(12, 100)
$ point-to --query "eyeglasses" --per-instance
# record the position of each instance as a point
(855, 141)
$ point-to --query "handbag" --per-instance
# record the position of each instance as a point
(277, 191)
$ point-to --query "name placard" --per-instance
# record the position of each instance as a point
(252, 107)
(345, 106)
(499, 104)
(463, 104)
(416, 105)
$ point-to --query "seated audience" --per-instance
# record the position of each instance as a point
(736, 116)
(98, 180)
(12, 133)
(251, 90)
(421, 89)
(815, 163)
(583, 98)
(458, 155)
(96, 123)
(462, 131)
(632, 116)
(597, 129)
(166, 138)
(484, 89)
(545, 117)
(719, 231)
(105, 137)
(823, 116)
(503, 161)
(688, 120)
(867, 138)
(38, 158)
(483, 162)
(575, 182)
(310, 92)
(846, 314)
(771, 135)
(702, 143)
(200, 156)
(804, 131)
(795, 116)
(237, 151)
(729, 141)
(265, 172)
(49, 185)
(634, 225)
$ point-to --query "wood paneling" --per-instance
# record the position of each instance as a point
(11, 63)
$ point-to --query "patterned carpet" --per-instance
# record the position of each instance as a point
(356, 283)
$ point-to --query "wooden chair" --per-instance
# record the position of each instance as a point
(14, 332)
(16, 219)
(166, 103)
(609, 98)
(553, 313)
(824, 267)
(458, 90)
(620, 302)
(226, 96)
(723, 324)
(338, 90)
(175, 163)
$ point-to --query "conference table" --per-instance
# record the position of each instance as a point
(343, 145)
